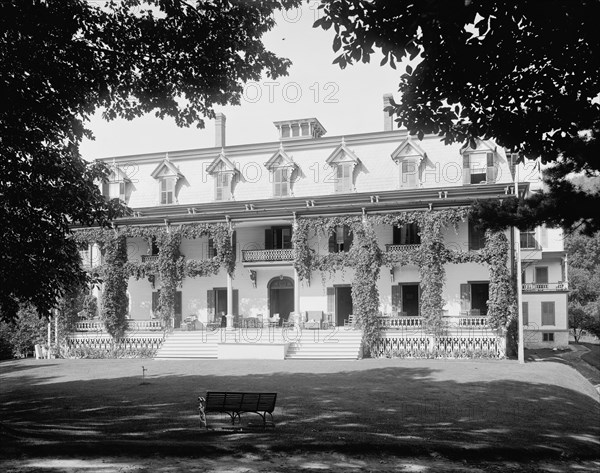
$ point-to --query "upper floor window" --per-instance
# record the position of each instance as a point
(167, 175)
(529, 240)
(340, 240)
(344, 162)
(223, 186)
(407, 234)
(224, 173)
(409, 156)
(167, 190)
(281, 182)
(281, 167)
(479, 164)
(343, 178)
(278, 238)
(476, 237)
(116, 185)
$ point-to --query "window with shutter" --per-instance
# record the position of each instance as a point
(223, 186)
(528, 240)
(541, 275)
(548, 313)
(490, 175)
(167, 191)
(409, 175)
(465, 297)
(525, 313)
(343, 181)
(281, 182)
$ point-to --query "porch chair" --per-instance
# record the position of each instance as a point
(349, 322)
(274, 321)
(313, 319)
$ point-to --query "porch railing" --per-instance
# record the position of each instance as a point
(449, 320)
(149, 258)
(402, 247)
(542, 287)
(267, 255)
(132, 325)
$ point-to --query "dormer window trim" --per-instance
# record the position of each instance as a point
(167, 175)
(117, 177)
(277, 165)
(224, 172)
(344, 161)
(484, 153)
(409, 157)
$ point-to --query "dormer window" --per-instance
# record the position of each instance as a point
(167, 191)
(479, 164)
(116, 185)
(409, 157)
(281, 167)
(224, 173)
(344, 162)
(167, 175)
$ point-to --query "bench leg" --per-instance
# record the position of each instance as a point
(201, 411)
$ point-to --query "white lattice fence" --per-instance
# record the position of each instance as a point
(109, 345)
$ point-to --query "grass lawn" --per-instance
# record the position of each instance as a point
(593, 357)
(341, 415)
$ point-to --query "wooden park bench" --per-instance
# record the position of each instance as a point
(234, 403)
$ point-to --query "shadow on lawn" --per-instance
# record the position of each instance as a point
(398, 411)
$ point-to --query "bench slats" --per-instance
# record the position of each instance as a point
(234, 403)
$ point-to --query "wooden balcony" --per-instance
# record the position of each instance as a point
(267, 256)
(402, 247)
(149, 258)
(545, 287)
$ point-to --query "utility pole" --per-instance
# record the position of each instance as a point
(521, 350)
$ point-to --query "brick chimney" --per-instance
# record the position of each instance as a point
(388, 120)
(220, 120)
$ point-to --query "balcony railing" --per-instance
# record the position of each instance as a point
(543, 287)
(249, 256)
(149, 258)
(132, 325)
(402, 247)
(461, 321)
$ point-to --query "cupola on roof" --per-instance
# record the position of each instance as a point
(301, 128)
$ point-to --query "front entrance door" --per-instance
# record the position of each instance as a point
(410, 299)
(343, 304)
(281, 297)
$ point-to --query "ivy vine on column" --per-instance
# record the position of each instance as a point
(114, 296)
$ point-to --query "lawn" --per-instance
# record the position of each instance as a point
(338, 414)
(593, 357)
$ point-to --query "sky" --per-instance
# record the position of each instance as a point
(344, 101)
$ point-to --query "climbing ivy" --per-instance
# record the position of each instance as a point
(502, 303)
(170, 266)
(114, 297)
(366, 255)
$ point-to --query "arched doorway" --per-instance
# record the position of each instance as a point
(281, 297)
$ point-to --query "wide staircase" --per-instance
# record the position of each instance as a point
(338, 343)
(199, 344)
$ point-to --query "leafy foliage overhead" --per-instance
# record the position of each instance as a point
(525, 73)
(61, 60)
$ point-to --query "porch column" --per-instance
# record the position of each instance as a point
(229, 301)
(566, 263)
(296, 292)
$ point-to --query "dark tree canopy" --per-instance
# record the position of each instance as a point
(525, 73)
(60, 61)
